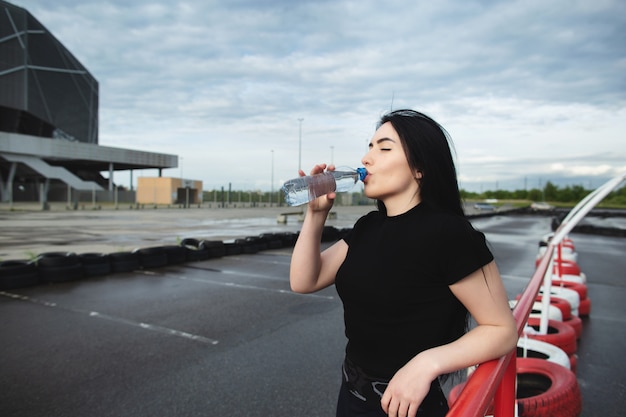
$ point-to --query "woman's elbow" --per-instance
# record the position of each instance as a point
(300, 287)
(510, 338)
(297, 288)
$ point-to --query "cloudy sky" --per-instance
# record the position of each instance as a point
(530, 91)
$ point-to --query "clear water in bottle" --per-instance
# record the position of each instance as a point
(301, 190)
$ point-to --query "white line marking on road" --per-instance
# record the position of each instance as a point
(250, 287)
(147, 326)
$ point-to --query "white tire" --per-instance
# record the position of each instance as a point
(531, 348)
(554, 313)
(580, 279)
(569, 295)
(566, 254)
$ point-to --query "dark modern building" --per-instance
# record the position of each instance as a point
(49, 118)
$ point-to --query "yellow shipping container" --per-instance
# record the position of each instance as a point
(167, 190)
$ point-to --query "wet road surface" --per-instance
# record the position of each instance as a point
(227, 337)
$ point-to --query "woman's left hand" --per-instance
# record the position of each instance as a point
(406, 390)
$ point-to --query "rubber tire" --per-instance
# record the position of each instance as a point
(330, 234)
(288, 239)
(215, 248)
(261, 243)
(65, 273)
(193, 250)
(56, 259)
(59, 267)
(546, 389)
(576, 323)
(542, 350)
(553, 312)
(153, 257)
(573, 362)
(559, 334)
(584, 310)
(232, 249)
(568, 266)
(247, 246)
(95, 264)
(125, 261)
(580, 288)
(175, 254)
(561, 304)
(18, 274)
(273, 241)
(567, 294)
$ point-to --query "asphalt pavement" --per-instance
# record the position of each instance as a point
(227, 337)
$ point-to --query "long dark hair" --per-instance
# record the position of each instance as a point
(428, 149)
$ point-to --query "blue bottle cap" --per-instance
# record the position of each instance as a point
(362, 173)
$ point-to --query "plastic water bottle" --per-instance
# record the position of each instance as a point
(301, 190)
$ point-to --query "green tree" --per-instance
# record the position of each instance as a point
(550, 192)
(535, 194)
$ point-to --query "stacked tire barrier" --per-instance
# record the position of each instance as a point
(546, 363)
(57, 267)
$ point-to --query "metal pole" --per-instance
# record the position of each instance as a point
(571, 220)
(300, 146)
(272, 179)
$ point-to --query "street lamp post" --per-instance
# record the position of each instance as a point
(300, 146)
(272, 179)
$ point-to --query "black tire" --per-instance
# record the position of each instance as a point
(215, 248)
(65, 273)
(95, 264)
(247, 246)
(273, 241)
(194, 251)
(343, 232)
(153, 257)
(124, 261)
(195, 255)
(191, 242)
(232, 249)
(288, 239)
(175, 254)
(59, 267)
(55, 259)
(18, 274)
(260, 242)
(330, 234)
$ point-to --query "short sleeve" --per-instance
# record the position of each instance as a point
(463, 249)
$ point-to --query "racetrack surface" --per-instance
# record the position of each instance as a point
(227, 337)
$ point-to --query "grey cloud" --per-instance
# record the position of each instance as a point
(498, 74)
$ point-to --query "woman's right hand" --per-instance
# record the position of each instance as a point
(312, 269)
(325, 202)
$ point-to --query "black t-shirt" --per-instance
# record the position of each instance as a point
(394, 284)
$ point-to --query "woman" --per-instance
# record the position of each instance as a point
(408, 275)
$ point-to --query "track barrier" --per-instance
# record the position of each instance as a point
(491, 388)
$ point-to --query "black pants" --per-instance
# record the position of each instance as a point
(360, 396)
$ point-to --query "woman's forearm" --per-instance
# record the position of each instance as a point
(306, 258)
(481, 344)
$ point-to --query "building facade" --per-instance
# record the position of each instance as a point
(49, 121)
(46, 91)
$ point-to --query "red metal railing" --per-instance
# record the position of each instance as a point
(495, 380)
